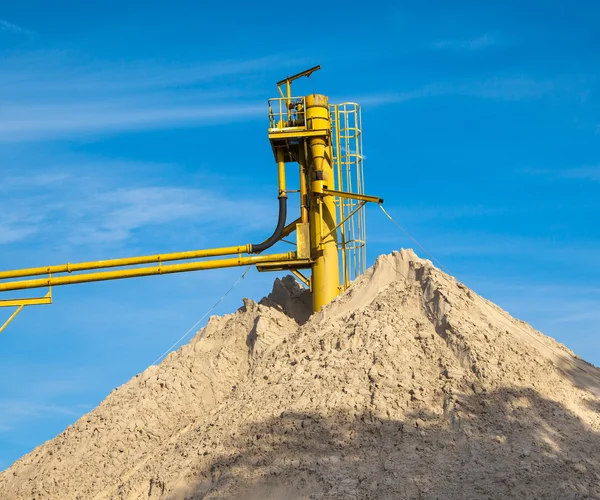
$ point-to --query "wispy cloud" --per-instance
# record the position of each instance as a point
(502, 89)
(482, 244)
(62, 74)
(425, 213)
(15, 412)
(471, 44)
(114, 216)
(586, 173)
(54, 121)
(46, 96)
(15, 230)
(93, 210)
(509, 89)
(583, 316)
(6, 27)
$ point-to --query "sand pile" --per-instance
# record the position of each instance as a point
(409, 385)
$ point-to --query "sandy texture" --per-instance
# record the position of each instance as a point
(409, 385)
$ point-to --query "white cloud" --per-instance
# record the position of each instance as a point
(502, 89)
(92, 210)
(584, 315)
(586, 173)
(7, 27)
(472, 44)
(11, 232)
(48, 96)
(508, 89)
(67, 75)
(112, 216)
(72, 120)
(15, 412)
(39, 181)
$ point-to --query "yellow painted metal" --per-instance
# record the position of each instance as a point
(303, 185)
(303, 240)
(14, 315)
(298, 132)
(322, 213)
(130, 261)
(288, 80)
(345, 219)
(329, 155)
(339, 186)
(353, 196)
(21, 303)
(146, 271)
(286, 265)
(303, 279)
(36, 301)
(348, 165)
(290, 228)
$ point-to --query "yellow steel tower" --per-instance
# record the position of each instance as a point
(323, 220)
(331, 222)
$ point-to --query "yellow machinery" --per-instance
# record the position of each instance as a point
(326, 142)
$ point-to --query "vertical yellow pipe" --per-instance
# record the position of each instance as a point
(322, 213)
(303, 188)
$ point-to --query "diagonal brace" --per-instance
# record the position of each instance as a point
(362, 204)
(21, 303)
(14, 315)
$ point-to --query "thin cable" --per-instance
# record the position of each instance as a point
(414, 240)
(200, 320)
(485, 301)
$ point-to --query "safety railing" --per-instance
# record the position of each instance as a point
(286, 113)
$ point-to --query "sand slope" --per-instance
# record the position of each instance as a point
(409, 385)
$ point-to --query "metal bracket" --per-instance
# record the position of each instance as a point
(301, 278)
(284, 265)
(303, 240)
(341, 223)
(352, 196)
(21, 303)
(288, 80)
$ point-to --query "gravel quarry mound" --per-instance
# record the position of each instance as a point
(409, 385)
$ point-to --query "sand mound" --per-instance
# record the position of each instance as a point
(409, 385)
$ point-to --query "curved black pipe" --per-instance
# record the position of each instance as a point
(278, 230)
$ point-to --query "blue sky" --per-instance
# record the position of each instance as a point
(140, 128)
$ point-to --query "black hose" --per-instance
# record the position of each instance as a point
(278, 230)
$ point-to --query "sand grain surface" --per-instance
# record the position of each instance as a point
(408, 386)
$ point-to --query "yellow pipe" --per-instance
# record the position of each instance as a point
(129, 261)
(322, 213)
(303, 188)
(144, 271)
